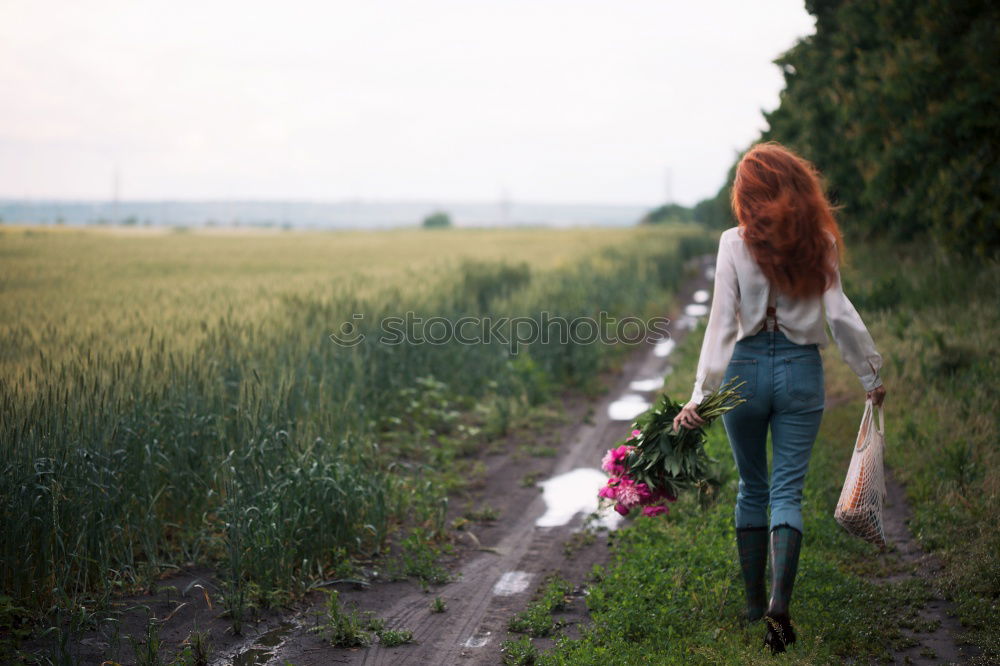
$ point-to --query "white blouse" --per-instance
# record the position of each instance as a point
(739, 306)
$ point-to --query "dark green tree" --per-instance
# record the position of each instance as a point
(895, 103)
(437, 220)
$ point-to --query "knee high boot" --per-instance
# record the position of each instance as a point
(751, 542)
(786, 543)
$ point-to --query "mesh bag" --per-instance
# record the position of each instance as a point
(859, 509)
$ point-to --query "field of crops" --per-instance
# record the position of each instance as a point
(173, 399)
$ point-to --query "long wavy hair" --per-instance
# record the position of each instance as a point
(779, 202)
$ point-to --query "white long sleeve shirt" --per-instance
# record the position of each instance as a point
(739, 306)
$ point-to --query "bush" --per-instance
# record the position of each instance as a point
(438, 220)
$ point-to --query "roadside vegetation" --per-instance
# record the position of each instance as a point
(891, 104)
(176, 400)
(672, 590)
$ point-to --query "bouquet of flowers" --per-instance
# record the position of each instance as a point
(655, 462)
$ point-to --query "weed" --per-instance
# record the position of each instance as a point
(195, 650)
(342, 627)
(438, 605)
(419, 558)
(394, 637)
(147, 650)
(484, 514)
(520, 652)
(530, 479)
(537, 619)
(578, 541)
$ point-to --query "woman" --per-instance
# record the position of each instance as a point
(776, 273)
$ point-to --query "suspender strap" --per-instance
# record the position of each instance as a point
(771, 320)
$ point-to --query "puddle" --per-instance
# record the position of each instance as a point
(664, 347)
(646, 385)
(512, 582)
(571, 493)
(264, 647)
(627, 407)
(477, 640)
(687, 322)
(696, 310)
(700, 296)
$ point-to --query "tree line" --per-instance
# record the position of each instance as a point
(895, 103)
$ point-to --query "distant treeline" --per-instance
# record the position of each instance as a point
(895, 103)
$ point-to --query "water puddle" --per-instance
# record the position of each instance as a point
(663, 348)
(571, 493)
(646, 385)
(687, 322)
(701, 296)
(696, 310)
(477, 640)
(511, 583)
(627, 407)
(265, 646)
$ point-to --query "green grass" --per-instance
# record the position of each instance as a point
(344, 627)
(520, 652)
(937, 318)
(536, 620)
(176, 399)
(395, 637)
(672, 592)
(483, 514)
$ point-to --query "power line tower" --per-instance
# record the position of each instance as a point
(115, 186)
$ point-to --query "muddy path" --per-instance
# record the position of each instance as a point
(500, 565)
(935, 634)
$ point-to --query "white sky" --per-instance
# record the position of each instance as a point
(552, 100)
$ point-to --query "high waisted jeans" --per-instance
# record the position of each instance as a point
(784, 390)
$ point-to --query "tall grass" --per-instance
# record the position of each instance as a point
(936, 317)
(257, 445)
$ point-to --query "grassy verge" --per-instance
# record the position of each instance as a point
(937, 319)
(672, 592)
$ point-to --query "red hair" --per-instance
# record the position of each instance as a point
(779, 202)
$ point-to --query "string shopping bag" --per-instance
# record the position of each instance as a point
(859, 509)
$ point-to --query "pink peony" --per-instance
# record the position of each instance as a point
(654, 510)
(610, 465)
(628, 493)
(609, 491)
(614, 460)
(622, 509)
(635, 433)
(645, 494)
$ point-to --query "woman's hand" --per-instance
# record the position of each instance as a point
(688, 417)
(877, 395)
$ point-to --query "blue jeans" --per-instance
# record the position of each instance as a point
(784, 390)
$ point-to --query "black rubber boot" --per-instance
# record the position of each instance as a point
(786, 543)
(751, 542)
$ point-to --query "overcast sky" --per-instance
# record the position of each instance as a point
(550, 100)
